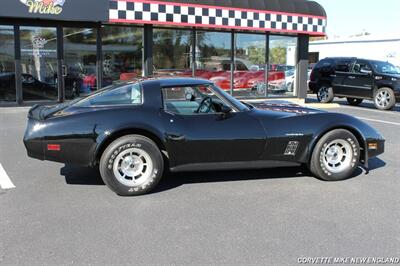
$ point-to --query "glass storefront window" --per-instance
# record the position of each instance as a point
(282, 66)
(39, 63)
(7, 66)
(249, 73)
(172, 52)
(122, 53)
(80, 62)
(213, 57)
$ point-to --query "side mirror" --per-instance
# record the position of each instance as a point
(225, 111)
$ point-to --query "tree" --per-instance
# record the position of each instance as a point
(277, 55)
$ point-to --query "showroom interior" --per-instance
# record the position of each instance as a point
(58, 50)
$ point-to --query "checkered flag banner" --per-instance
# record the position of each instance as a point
(180, 14)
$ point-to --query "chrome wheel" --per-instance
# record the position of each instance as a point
(260, 88)
(338, 156)
(133, 167)
(323, 94)
(383, 98)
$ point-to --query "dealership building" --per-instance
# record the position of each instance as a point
(56, 50)
(386, 48)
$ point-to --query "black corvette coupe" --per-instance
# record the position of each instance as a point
(136, 131)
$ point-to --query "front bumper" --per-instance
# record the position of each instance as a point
(373, 148)
(397, 95)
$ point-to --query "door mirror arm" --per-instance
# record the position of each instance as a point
(225, 111)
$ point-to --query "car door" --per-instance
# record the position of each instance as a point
(208, 137)
(340, 77)
(360, 81)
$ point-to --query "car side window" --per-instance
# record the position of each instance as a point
(361, 66)
(344, 65)
(130, 94)
(193, 100)
(240, 66)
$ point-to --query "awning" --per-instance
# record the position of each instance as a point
(61, 10)
(282, 16)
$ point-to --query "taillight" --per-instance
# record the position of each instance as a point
(53, 147)
(312, 75)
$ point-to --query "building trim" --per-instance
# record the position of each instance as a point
(183, 14)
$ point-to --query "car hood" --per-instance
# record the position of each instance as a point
(390, 75)
(284, 108)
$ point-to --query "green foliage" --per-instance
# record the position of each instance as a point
(257, 55)
(277, 55)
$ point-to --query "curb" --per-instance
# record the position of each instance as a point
(322, 105)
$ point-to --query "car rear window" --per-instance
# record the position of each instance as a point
(324, 65)
(344, 65)
(128, 94)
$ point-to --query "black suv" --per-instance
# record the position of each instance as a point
(356, 79)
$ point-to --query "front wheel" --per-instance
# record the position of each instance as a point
(336, 156)
(325, 94)
(132, 165)
(354, 101)
(384, 99)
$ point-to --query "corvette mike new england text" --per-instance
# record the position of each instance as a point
(349, 260)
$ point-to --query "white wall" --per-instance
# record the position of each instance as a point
(384, 50)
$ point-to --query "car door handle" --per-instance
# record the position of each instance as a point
(176, 137)
(333, 76)
(64, 71)
(352, 77)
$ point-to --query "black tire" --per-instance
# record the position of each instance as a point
(144, 154)
(354, 101)
(384, 104)
(325, 94)
(319, 165)
(290, 87)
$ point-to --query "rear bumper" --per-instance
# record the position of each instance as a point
(33, 143)
(312, 85)
(41, 137)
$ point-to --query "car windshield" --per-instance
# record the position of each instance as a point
(385, 68)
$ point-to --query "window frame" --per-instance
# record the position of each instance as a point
(351, 65)
(132, 27)
(360, 62)
(104, 90)
(226, 101)
(158, 27)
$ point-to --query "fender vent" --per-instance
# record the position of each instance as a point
(291, 148)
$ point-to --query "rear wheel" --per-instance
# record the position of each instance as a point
(336, 156)
(354, 101)
(132, 165)
(325, 94)
(384, 99)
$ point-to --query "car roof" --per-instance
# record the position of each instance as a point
(354, 58)
(176, 81)
(341, 57)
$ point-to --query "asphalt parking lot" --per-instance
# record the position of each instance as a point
(59, 214)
